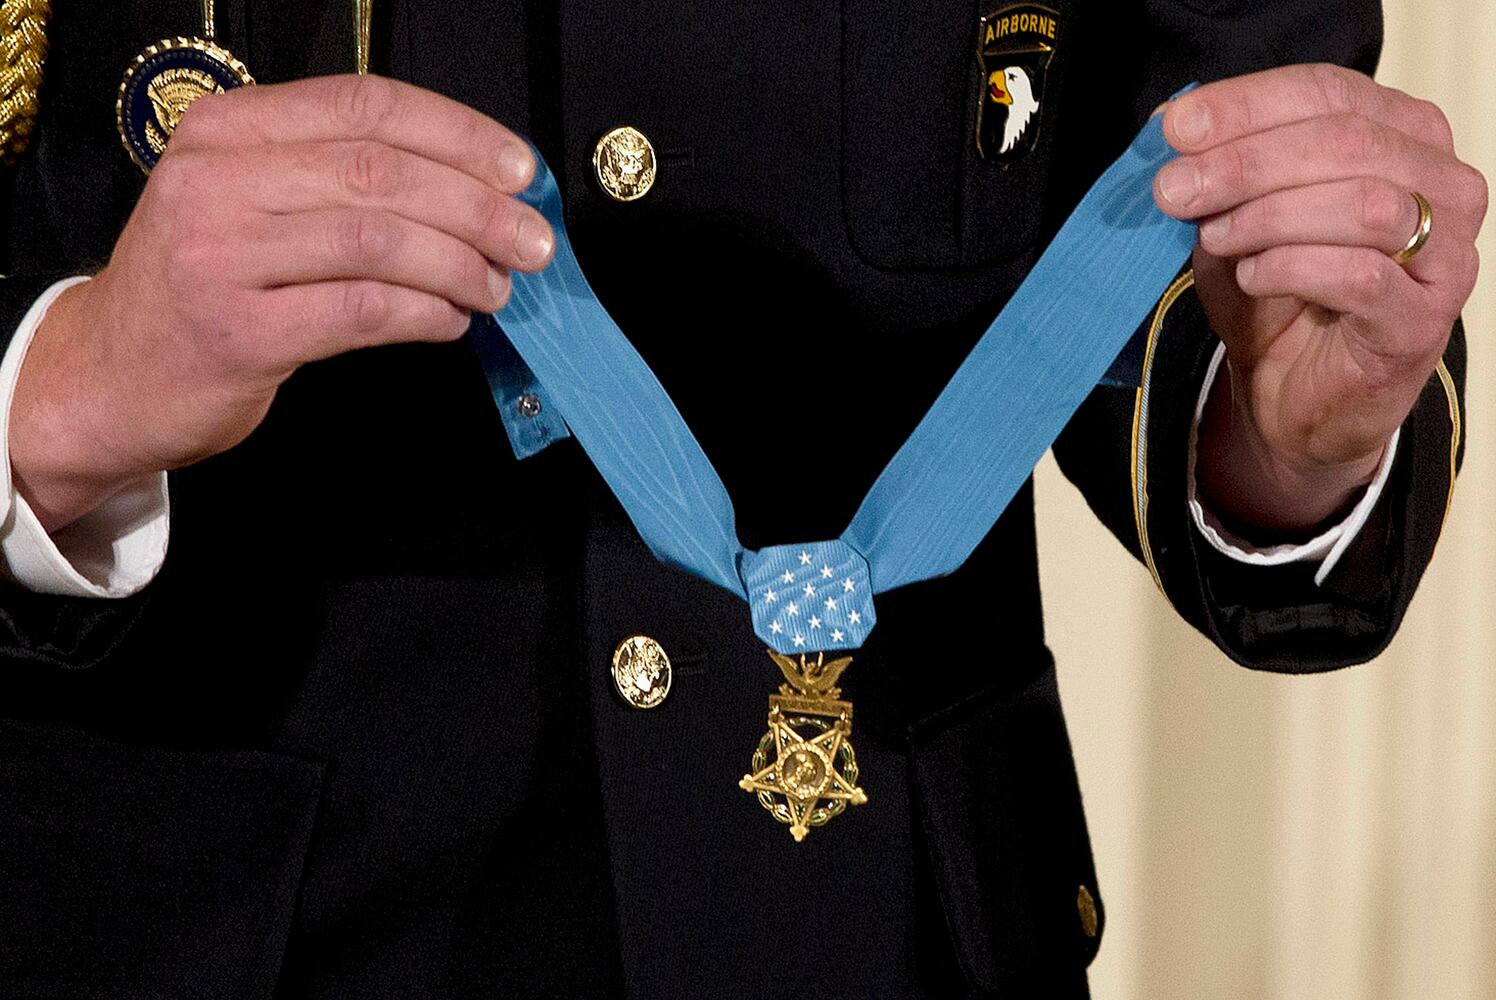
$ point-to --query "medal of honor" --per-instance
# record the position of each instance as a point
(162, 83)
(804, 770)
(940, 494)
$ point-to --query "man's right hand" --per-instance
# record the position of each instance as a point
(285, 224)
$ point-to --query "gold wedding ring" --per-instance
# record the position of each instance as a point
(1420, 237)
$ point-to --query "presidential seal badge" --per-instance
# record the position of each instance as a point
(804, 770)
(161, 85)
(1016, 48)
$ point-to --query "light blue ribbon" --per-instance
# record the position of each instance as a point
(949, 482)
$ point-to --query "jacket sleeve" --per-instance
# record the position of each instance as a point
(62, 203)
(1127, 449)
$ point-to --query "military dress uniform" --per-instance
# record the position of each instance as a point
(359, 737)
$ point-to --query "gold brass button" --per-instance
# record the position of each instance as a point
(641, 671)
(624, 162)
(1086, 907)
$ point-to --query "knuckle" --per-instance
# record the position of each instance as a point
(1475, 191)
(1263, 215)
(368, 171)
(1435, 122)
(1381, 208)
(172, 177)
(1366, 276)
(1467, 271)
(361, 103)
(447, 321)
(468, 132)
(1355, 139)
(472, 271)
(362, 237)
(366, 306)
(1236, 162)
(491, 212)
(201, 118)
(1471, 276)
(1340, 89)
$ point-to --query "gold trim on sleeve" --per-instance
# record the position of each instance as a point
(1139, 469)
(1455, 430)
(1182, 284)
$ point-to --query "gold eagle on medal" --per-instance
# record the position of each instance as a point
(816, 677)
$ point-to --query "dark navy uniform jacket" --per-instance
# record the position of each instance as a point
(358, 739)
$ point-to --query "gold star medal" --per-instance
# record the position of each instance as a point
(808, 597)
(804, 770)
(162, 83)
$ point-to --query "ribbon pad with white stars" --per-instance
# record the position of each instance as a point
(809, 598)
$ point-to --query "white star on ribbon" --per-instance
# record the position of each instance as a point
(830, 604)
(776, 628)
(770, 596)
(799, 639)
(825, 572)
(847, 585)
(792, 608)
(855, 618)
(815, 622)
(810, 590)
(805, 559)
(836, 634)
(788, 577)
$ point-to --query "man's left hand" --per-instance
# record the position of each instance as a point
(1302, 180)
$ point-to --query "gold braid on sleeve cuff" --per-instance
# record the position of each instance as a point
(23, 49)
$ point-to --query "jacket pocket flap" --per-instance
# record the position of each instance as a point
(134, 872)
(1001, 812)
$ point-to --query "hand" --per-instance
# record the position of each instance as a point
(284, 224)
(1301, 178)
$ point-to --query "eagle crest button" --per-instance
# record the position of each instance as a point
(624, 164)
(641, 671)
(1017, 45)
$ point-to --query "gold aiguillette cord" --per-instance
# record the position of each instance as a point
(363, 17)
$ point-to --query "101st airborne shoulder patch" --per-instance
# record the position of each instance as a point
(1017, 44)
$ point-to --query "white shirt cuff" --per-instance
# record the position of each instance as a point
(113, 551)
(1327, 547)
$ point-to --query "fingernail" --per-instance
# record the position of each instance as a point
(1216, 229)
(1180, 183)
(1245, 268)
(516, 165)
(498, 288)
(1193, 124)
(533, 242)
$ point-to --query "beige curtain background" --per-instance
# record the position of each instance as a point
(1285, 838)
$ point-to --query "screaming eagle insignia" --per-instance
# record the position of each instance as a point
(1017, 45)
